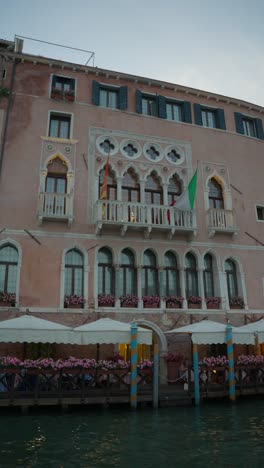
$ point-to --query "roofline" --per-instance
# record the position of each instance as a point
(133, 78)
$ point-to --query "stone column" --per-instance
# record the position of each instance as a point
(182, 286)
(200, 272)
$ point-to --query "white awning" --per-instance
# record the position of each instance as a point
(209, 332)
(252, 329)
(30, 329)
(111, 331)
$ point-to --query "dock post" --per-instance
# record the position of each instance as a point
(156, 377)
(196, 375)
(230, 357)
(133, 378)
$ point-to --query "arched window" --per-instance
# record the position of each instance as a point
(231, 278)
(106, 273)
(208, 276)
(74, 273)
(111, 184)
(56, 188)
(128, 283)
(171, 286)
(191, 279)
(150, 278)
(153, 191)
(174, 189)
(130, 187)
(215, 195)
(8, 269)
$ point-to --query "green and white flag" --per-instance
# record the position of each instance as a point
(187, 198)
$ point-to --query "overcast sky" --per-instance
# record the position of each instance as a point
(214, 45)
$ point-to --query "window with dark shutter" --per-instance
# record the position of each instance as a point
(105, 95)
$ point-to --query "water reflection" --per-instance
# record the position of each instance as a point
(218, 435)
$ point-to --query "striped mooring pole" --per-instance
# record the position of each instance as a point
(230, 357)
(196, 374)
(133, 378)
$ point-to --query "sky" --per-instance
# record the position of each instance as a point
(213, 45)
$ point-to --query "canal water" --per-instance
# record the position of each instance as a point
(214, 435)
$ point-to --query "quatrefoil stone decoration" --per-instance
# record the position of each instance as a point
(130, 150)
(153, 153)
(107, 146)
(173, 156)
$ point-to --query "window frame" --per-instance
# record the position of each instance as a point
(188, 272)
(145, 272)
(73, 268)
(109, 89)
(72, 88)
(257, 218)
(167, 270)
(104, 267)
(180, 104)
(214, 199)
(123, 269)
(211, 272)
(228, 275)
(66, 115)
(6, 265)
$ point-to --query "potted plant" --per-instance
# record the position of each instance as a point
(213, 302)
(151, 302)
(236, 302)
(174, 361)
(74, 301)
(106, 300)
(56, 93)
(7, 299)
(194, 302)
(4, 92)
(129, 300)
(174, 302)
(69, 95)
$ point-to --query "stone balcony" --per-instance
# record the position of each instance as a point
(147, 218)
(55, 207)
(220, 221)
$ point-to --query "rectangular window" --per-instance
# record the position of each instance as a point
(113, 97)
(208, 118)
(174, 111)
(260, 213)
(149, 105)
(249, 127)
(108, 98)
(63, 88)
(59, 125)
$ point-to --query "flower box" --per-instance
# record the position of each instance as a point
(151, 306)
(211, 305)
(173, 305)
(73, 306)
(235, 306)
(193, 305)
(236, 302)
(69, 97)
(129, 300)
(7, 304)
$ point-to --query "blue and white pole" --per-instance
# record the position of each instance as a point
(133, 378)
(230, 357)
(196, 375)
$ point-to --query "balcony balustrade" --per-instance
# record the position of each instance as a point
(55, 206)
(221, 221)
(148, 217)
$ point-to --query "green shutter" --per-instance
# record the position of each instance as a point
(73, 84)
(221, 119)
(96, 93)
(138, 101)
(197, 114)
(162, 107)
(123, 98)
(187, 112)
(239, 122)
(259, 128)
(53, 81)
